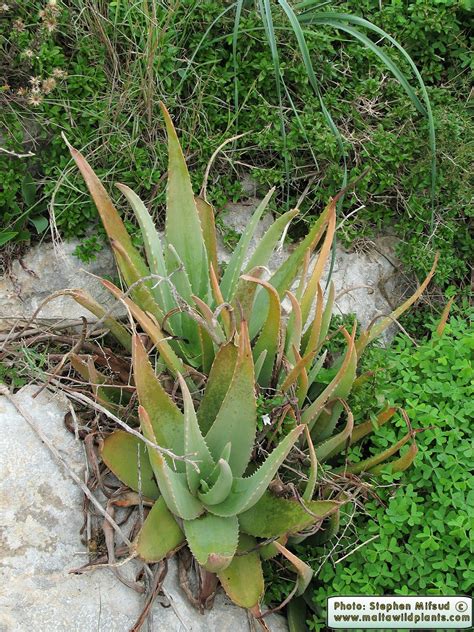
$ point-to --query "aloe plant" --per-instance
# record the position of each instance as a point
(216, 494)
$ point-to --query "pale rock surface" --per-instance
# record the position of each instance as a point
(44, 270)
(41, 515)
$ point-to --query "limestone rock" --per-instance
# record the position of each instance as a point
(43, 271)
(41, 509)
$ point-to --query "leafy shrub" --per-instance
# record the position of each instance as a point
(420, 540)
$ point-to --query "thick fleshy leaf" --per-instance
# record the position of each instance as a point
(183, 226)
(212, 540)
(113, 225)
(219, 491)
(111, 397)
(282, 279)
(139, 288)
(362, 430)
(116, 329)
(234, 268)
(245, 295)
(315, 278)
(338, 387)
(160, 535)
(151, 327)
(294, 329)
(236, 421)
(333, 445)
(269, 338)
(303, 570)
(247, 491)
(194, 443)
(273, 516)
(269, 241)
(182, 283)
(296, 615)
(173, 485)
(400, 464)
(243, 580)
(217, 385)
(153, 248)
(370, 463)
(206, 215)
(374, 332)
(165, 417)
(126, 456)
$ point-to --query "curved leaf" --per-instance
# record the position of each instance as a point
(126, 456)
(247, 491)
(160, 535)
(236, 421)
(243, 580)
(212, 540)
(273, 516)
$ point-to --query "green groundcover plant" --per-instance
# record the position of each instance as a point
(97, 70)
(417, 537)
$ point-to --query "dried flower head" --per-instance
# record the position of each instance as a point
(21, 92)
(59, 73)
(48, 85)
(35, 99)
(35, 82)
(28, 53)
(18, 25)
(50, 25)
(4, 8)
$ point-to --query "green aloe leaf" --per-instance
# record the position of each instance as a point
(165, 417)
(362, 430)
(173, 485)
(140, 290)
(151, 327)
(160, 535)
(153, 249)
(206, 215)
(233, 270)
(282, 279)
(269, 241)
(243, 580)
(113, 225)
(296, 615)
(194, 443)
(338, 387)
(236, 421)
(333, 445)
(217, 385)
(126, 456)
(273, 516)
(213, 540)
(315, 278)
(247, 491)
(182, 283)
(269, 338)
(219, 491)
(183, 226)
(245, 295)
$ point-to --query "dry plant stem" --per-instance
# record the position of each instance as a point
(86, 400)
(65, 357)
(4, 391)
